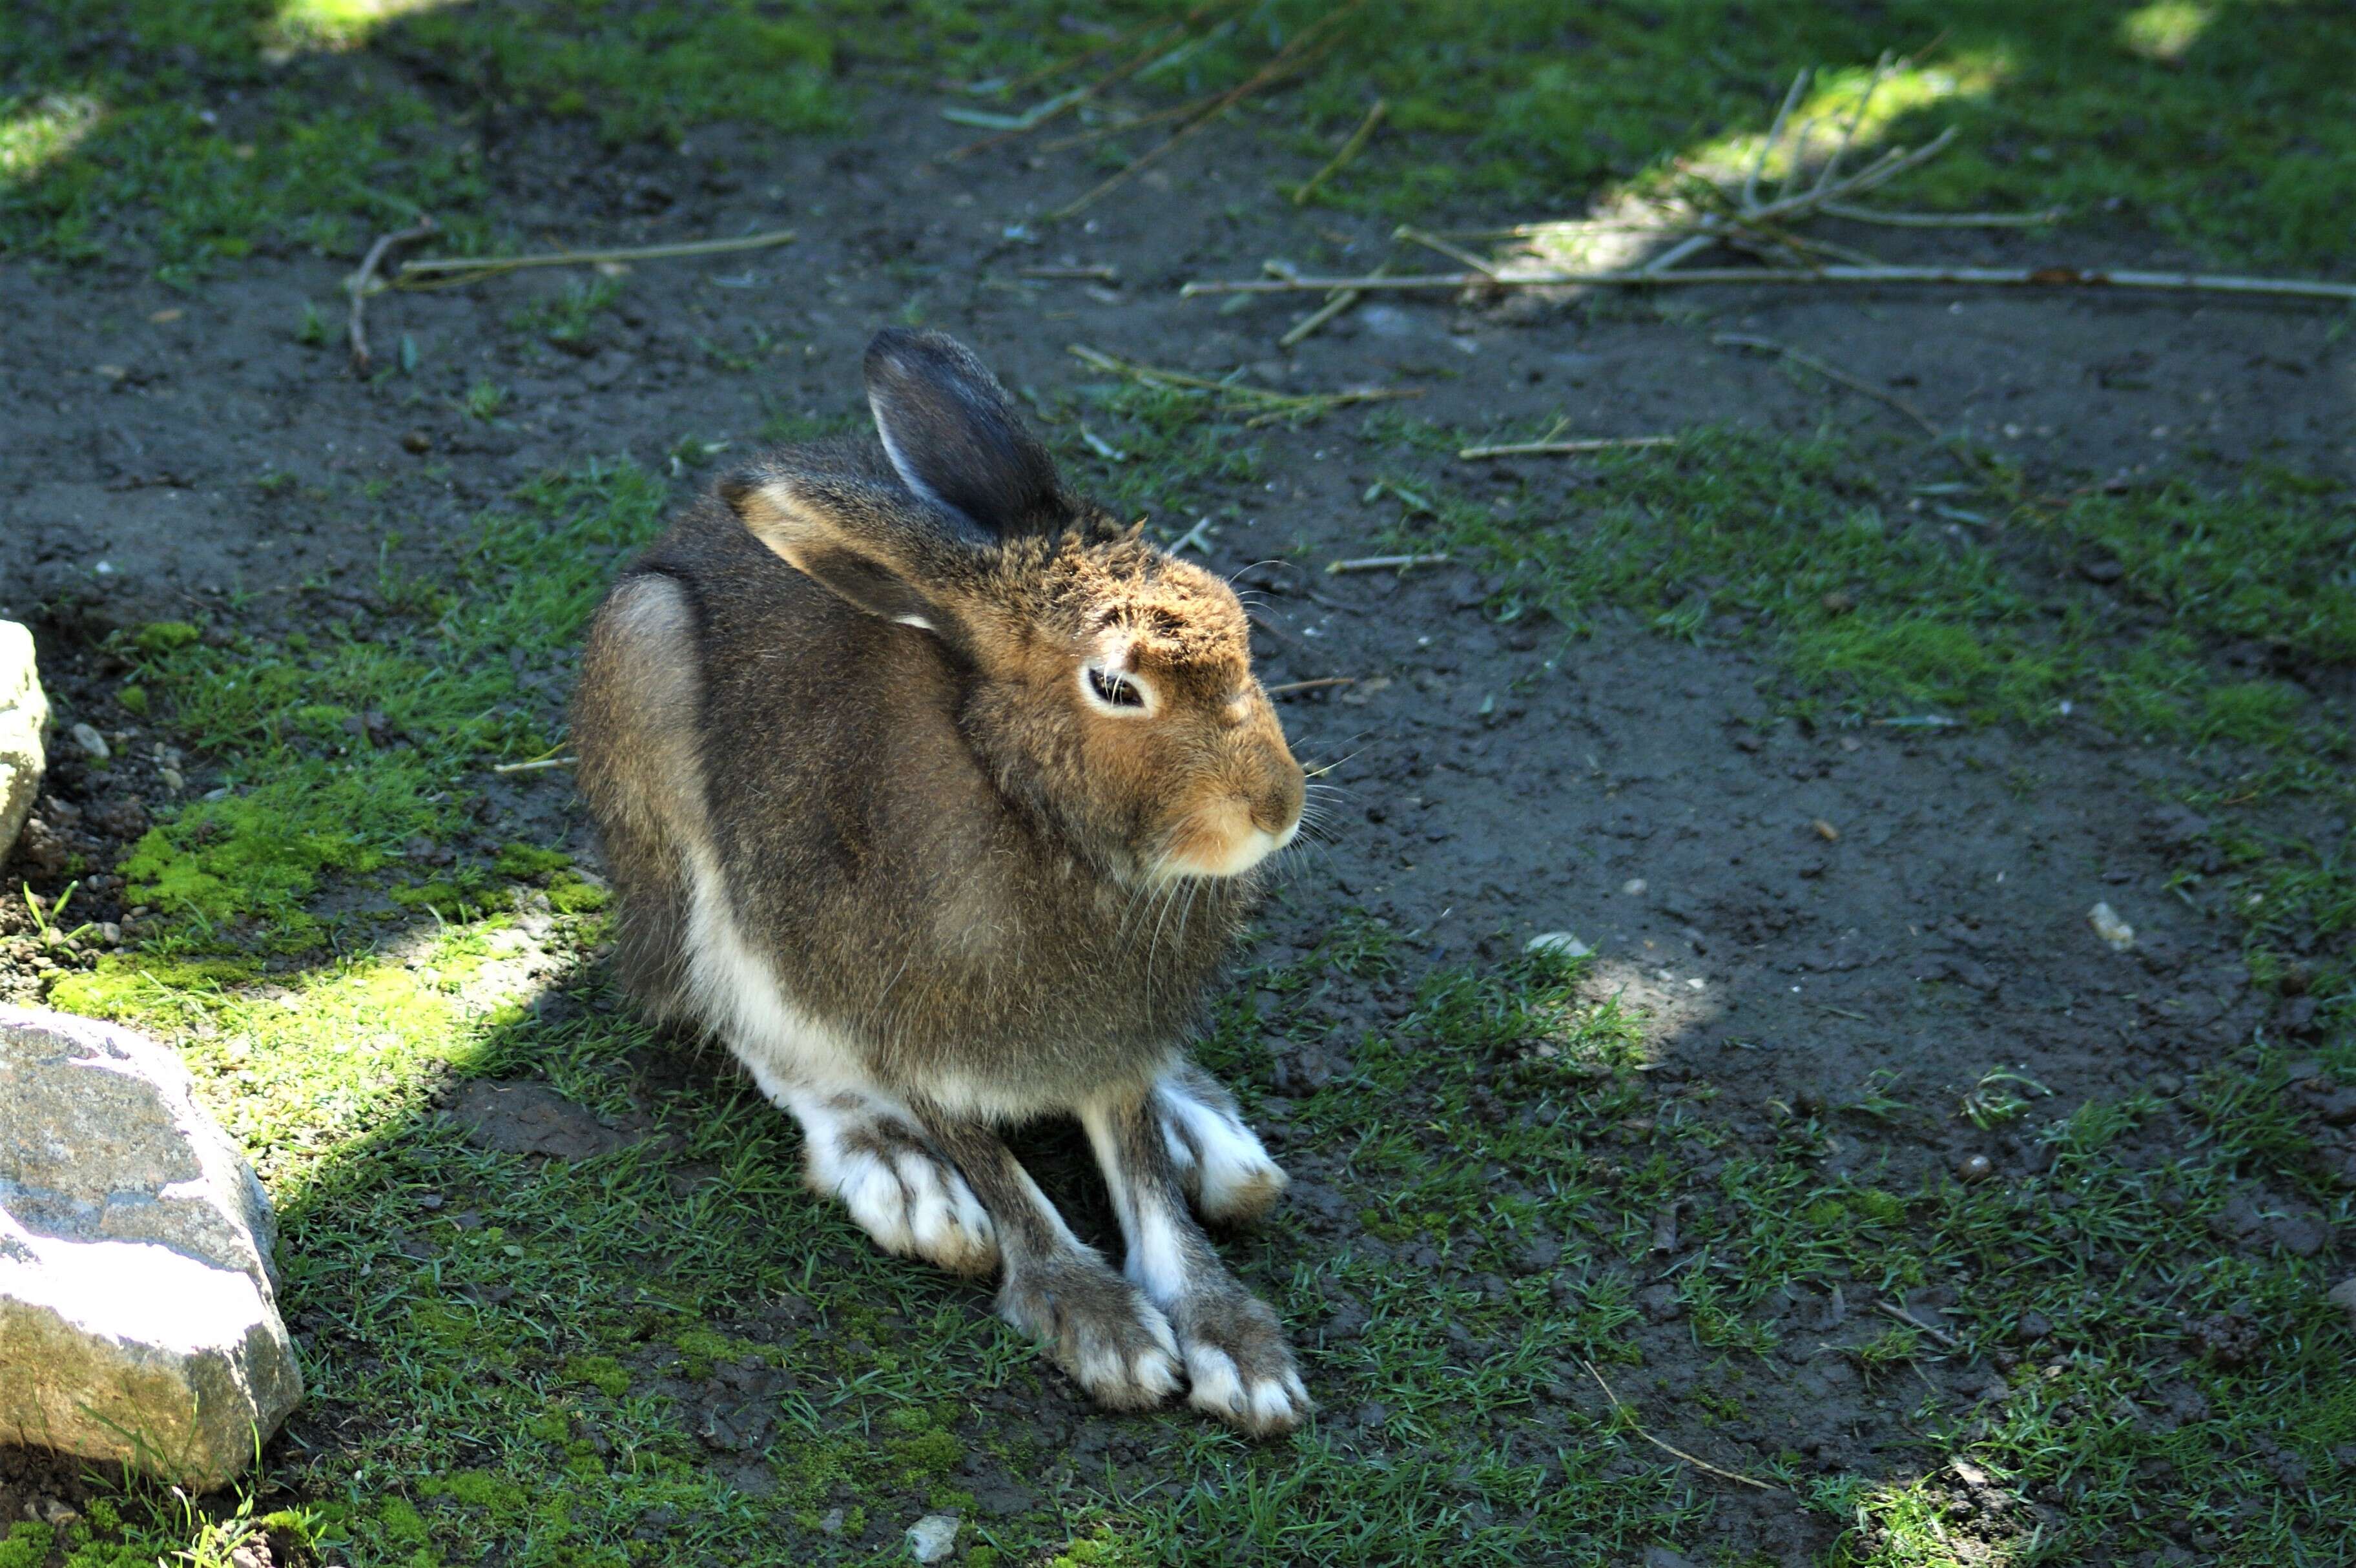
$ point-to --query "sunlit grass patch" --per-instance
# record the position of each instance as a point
(36, 132)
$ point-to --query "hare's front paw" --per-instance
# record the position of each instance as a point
(900, 1188)
(1098, 1326)
(1236, 1359)
(1222, 1164)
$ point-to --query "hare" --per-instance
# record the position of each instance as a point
(938, 794)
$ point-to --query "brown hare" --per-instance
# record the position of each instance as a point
(937, 794)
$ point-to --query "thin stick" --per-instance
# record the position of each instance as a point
(357, 330)
(1278, 404)
(1341, 299)
(1993, 277)
(1942, 219)
(534, 766)
(1775, 135)
(1295, 56)
(489, 265)
(1830, 373)
(1415, 236)
(1638, 1427)
(1387, 562)
(1289, 686)
(1053, 274)
(1096, 89)
(1349, 149)
(1565, 448)
(1940, 1335)
(1199, 536)
(1123, 127)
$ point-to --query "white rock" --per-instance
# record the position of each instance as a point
(94, 744)
(138, 1319)
(1634, 887)
(24, 719)
(2115, 933)
(933, 1537)
(1561, 943)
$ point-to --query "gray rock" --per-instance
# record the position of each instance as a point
(24, 720)
(138, 1315)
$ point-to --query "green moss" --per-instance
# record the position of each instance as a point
(26, 1545)
(403, 1526)
(529, 860)
(572, 895)
(603, 1373)
(164, 637)
(126, 984)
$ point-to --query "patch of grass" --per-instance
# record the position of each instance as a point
(566, 315)
(359, 748)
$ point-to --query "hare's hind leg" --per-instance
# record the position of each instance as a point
(871, 1151)
(1099, 1327)
(1218, 1160)
(634, 724)
(1238, 1366)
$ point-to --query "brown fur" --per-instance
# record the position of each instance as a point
(942, 851)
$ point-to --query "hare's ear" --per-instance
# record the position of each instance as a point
(954, 436)
(855, 542)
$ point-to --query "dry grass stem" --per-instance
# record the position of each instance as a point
(1939, 1336)
(1340, 301)
(490, 266)
(1349, 149)
(1063, 103)
(357, 328)
(1387, 562)
(1565, 448)
(1289, 686)
(1638, 1427)
(1830, 373)
(537, 764)
(1305, 47)
(1854, 276)
(1071, 274)
(1273, 405)
(1454, 253)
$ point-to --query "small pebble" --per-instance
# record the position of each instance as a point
(1633, 885)
(1974, 1168)
(2343, 1295)
(94, 744)
(933, 1537)
(1561, 943)
(2116, 934)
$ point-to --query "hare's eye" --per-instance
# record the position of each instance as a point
(1113, 690)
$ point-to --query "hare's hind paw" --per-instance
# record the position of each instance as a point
(1220, 1163)
(1238, 1366)
(898, 1185)
(1098, 1326)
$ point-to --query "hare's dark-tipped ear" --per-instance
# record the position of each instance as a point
(953, 434)
(855, 541)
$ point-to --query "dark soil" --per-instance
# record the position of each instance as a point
(1803, 913)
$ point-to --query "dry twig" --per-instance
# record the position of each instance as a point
(1349, 149)
(1387, 562)
(1565, 448)
(1274, 405)
(1993, 277)
(357, 330)
(1289, 686)
(1340, 301)
(1638, 1427)
(1830, 373)
(477, 267)
(1303, 48)
(1065, 274)
(535, 765)
(1065, 102)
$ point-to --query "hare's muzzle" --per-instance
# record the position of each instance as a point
(1239, 820)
